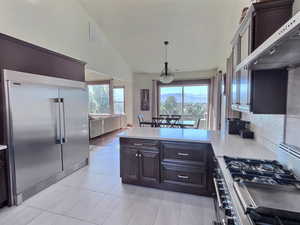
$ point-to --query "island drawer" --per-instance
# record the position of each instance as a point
(140, 143)
(191, 176)
(189, 152)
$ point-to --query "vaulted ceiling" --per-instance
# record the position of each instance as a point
(137, 29)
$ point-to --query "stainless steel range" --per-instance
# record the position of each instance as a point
(268, 192)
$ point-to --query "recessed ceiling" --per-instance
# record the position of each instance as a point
(137, 29)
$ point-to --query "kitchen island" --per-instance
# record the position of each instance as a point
(146, 161)
(166, 158)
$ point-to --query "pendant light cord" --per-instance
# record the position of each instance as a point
(166, 51)
(166, 57)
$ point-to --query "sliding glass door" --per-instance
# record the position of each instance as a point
(189, 101)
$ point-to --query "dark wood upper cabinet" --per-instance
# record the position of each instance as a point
(260, 92)
(269, 89)
(269, 17)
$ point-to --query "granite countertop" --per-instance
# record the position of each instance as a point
(3, 147)
(229, 145)
(170, 134)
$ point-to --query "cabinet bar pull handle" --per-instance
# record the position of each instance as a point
(183, 154)
(137, 144)
(183, 177)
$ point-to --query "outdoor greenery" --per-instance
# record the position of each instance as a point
(191, 111)
(191, 102)
(99, 99)
(119, 104)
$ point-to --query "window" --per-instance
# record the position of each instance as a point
(119, 100)
(99, 99)
(189, 101)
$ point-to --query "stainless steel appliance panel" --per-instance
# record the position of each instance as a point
(34, 119)
(275, 200)
(74, 120)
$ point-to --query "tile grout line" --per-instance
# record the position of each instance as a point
(60, 214)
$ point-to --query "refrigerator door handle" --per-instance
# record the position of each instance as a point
(58, 139)
(64, 136)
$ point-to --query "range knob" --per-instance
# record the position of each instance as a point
(230, 221)
(228, 212)
(225, 204)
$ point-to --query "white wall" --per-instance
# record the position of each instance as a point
(144, 81)
(62, 26)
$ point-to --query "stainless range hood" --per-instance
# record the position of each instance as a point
(280, 50)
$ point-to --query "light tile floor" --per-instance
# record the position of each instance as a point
(94, 195)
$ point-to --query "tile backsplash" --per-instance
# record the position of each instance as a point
(268, 129)
(293, 108)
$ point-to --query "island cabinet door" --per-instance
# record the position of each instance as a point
(129, 164)
(149, 167)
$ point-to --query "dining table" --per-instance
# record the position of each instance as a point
(169, 122)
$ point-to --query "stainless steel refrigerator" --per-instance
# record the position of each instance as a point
(47, 126)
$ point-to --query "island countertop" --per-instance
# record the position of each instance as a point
(223, 144)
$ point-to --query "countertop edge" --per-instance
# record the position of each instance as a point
(167, 139)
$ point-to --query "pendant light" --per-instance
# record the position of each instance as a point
(166, 75)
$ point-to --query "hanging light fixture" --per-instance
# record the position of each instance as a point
(166, 75)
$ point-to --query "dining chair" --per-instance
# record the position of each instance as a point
(197, 124)
(141, 119)
(176, 116)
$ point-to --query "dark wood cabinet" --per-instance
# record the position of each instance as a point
(178, 166)
(185, 176)
(130, 164)
(3, 180)
(184, 153)
(139, 162)
(187, 166)
(269, 89)
(264, 19)
(149, 166)
(267, 18)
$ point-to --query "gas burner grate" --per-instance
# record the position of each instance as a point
(259, 171)
(260, 219)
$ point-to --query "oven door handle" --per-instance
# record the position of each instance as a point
(218, 194)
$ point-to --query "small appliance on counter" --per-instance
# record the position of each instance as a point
(247, 133)
(234, 126)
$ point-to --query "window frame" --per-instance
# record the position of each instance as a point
(182, 83)
(124, 98)
(102, 82)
